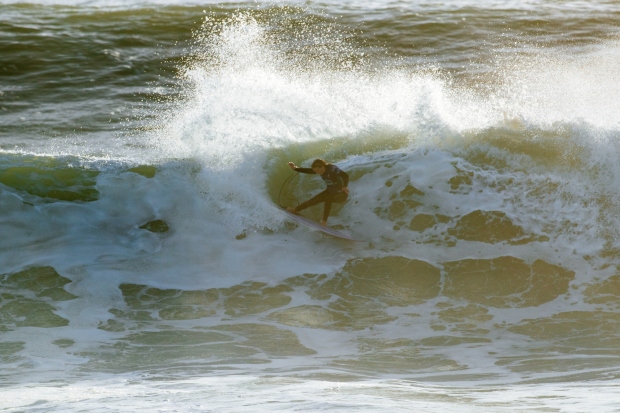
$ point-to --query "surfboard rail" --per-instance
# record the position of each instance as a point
(317, 226)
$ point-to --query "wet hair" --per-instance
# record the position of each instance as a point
(318, 162)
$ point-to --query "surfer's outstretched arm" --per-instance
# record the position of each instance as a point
(302, 170)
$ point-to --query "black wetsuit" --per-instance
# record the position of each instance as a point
(336, 179)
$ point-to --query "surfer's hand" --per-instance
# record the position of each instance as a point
(292, 165)
(345, 190)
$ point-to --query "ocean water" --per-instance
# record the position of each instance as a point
(145, 264)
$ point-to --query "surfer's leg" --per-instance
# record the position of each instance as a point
(317, 199)
(337, 198)
(327, 209)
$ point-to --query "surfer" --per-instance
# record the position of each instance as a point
(336, 191)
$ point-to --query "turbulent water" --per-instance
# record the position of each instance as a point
(145, 264)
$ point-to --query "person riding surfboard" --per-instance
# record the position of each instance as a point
(337, 187)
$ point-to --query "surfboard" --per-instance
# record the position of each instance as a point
(316, 225)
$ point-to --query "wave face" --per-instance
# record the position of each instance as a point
(143, 159)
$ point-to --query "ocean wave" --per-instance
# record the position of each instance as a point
(482, 189)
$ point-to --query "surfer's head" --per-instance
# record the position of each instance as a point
(318, 166)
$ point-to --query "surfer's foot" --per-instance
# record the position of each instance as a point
(324, 223)
(292, 210)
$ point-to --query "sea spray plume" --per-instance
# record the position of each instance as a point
(278, 78)
(295, 76)
(240, 96)
(564, 86)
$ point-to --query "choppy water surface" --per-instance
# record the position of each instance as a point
(145, 264)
